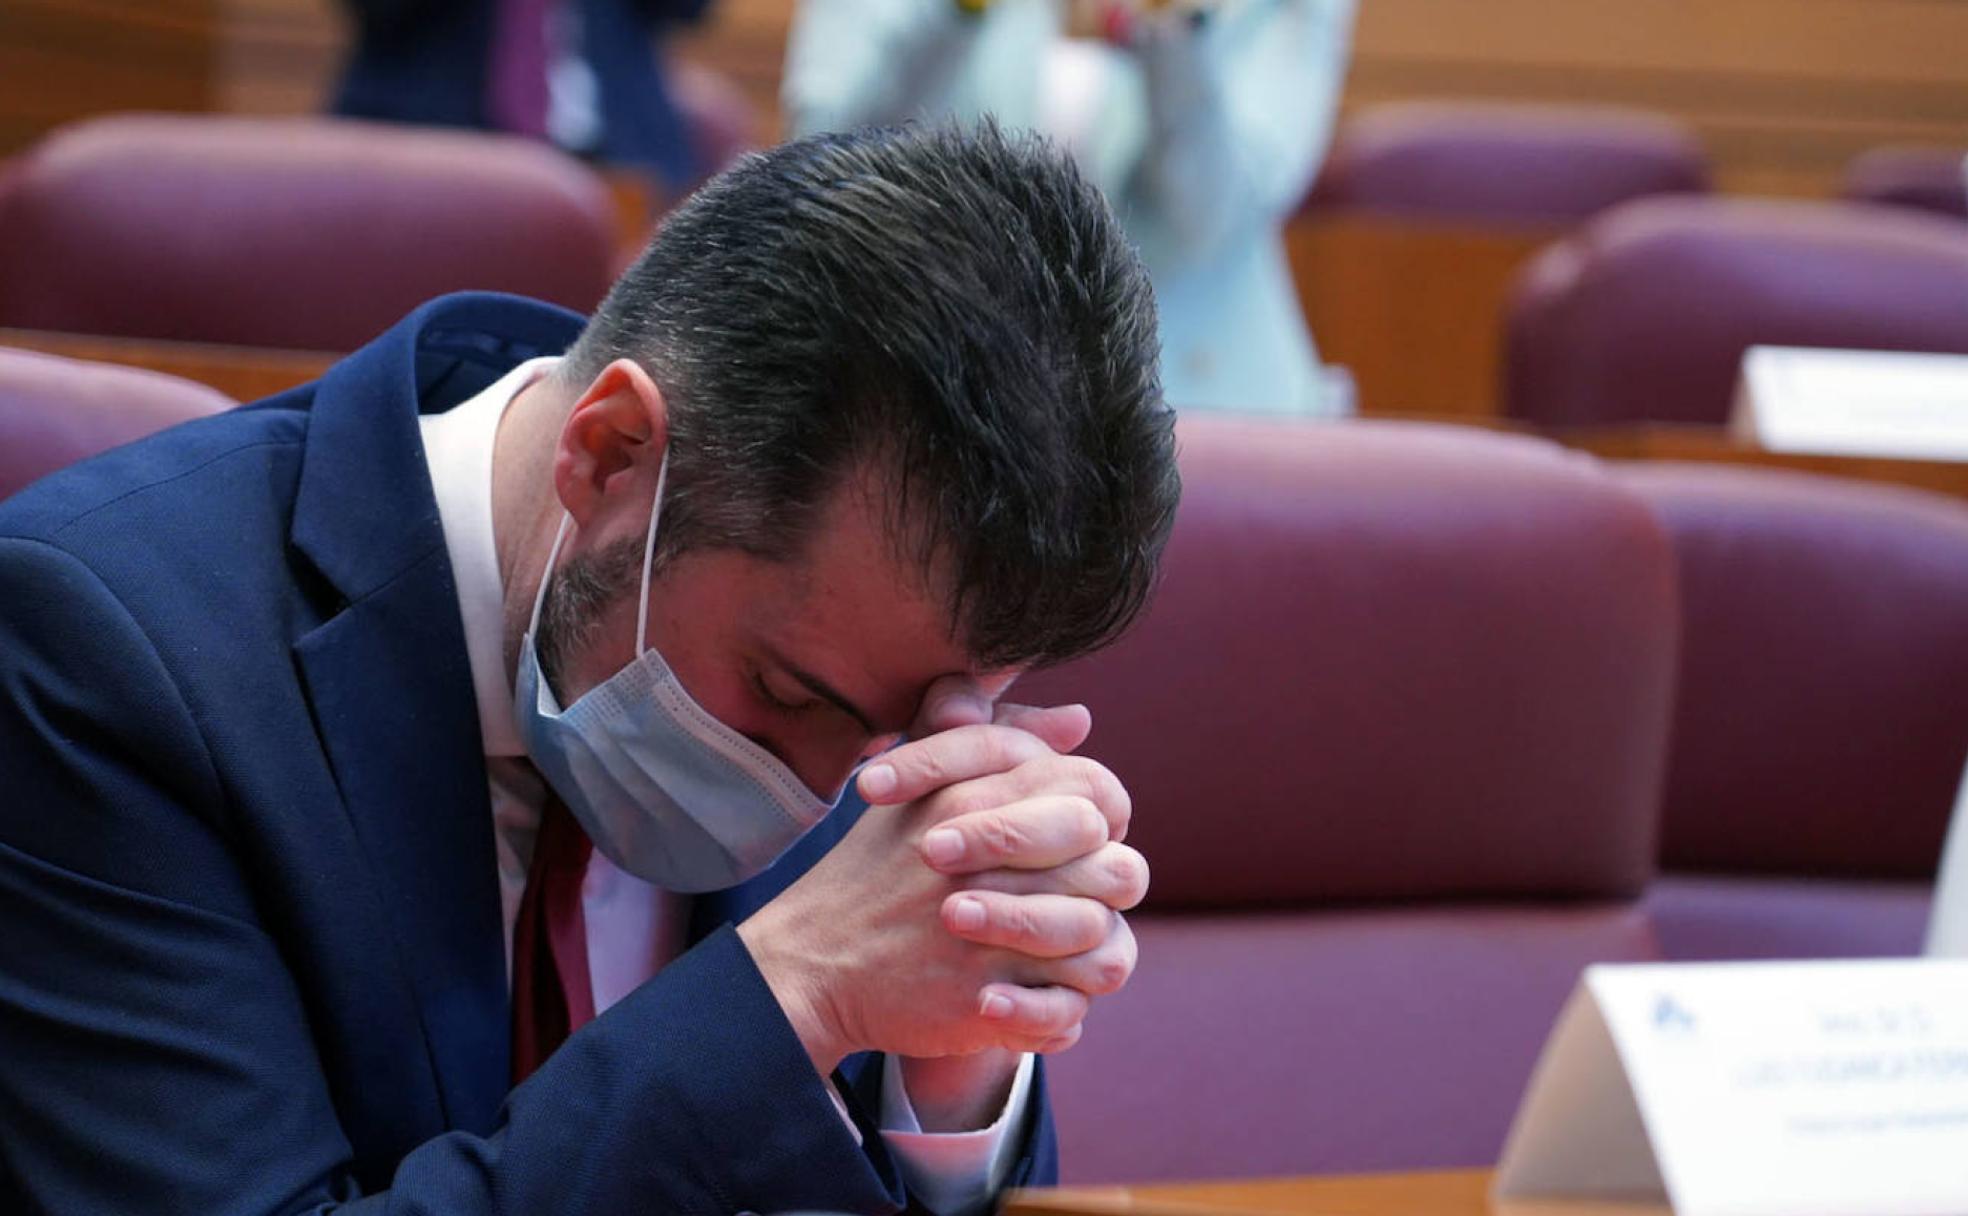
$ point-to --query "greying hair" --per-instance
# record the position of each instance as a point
(955, 304)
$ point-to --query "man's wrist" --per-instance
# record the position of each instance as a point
(959, 1093)
(800, 999)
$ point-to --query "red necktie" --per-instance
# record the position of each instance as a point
(552, 993)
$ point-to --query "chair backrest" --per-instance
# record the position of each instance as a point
(1821, 721)
(309, 233)
(1644, 314)
(1402, 690)
(1512, 164)
(1390, 662)
(56, 411)
(1930, 179)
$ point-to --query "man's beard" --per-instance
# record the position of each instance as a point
(580, 595)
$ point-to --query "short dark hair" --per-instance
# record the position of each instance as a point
(957, 303)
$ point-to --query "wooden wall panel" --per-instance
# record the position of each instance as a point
(1783, 91)
(1413, 310)
(62, 59)
(279, 56)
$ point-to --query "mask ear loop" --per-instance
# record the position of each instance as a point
(546, 574)
(649, 553)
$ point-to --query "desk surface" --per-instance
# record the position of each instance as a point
(1434, 1193)
(1668, 441)
(244, 373)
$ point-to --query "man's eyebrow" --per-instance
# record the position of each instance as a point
(828, 693)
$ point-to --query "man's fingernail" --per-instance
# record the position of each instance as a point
(877, 782)
(944, 846)
(968, 915)
(995, 1006)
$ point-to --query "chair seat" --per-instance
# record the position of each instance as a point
(1314, 1042)
(1706, 917)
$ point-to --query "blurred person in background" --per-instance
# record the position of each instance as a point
(583, 74)
(1203, 123)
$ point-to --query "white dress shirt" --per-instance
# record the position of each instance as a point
(633, 928)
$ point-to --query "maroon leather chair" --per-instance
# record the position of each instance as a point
(1930, 179)
(1394, 726)
(1645, 313)
(1821, 722)
(1511, 164)
(307, 232)
(54, 411)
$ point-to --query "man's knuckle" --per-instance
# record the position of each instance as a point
(1087, 826)
(932, 768)
(998, 834)
(1008, 747)
(1096, 783)
(1092, 924)
(965, 799)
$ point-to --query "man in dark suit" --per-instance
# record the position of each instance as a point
(322, 718)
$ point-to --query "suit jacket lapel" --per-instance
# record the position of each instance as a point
(388, 675)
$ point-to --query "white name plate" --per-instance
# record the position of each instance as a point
(1753, 1089)
(1947, 930)
(1854, 403)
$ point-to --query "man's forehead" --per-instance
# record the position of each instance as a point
(859, 608)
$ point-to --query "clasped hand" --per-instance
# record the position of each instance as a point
(976, 905)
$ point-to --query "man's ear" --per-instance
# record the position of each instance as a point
(618, 428)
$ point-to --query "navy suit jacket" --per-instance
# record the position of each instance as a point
(250, 938)
(426, 61)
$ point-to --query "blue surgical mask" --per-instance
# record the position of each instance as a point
(665, 791)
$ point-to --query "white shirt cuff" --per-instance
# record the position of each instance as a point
(952, 1173)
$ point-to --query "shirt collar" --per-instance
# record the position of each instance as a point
(458, 446)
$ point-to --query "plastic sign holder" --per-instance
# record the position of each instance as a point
(1947, 929)
(1887, 404)
(1751, 1089)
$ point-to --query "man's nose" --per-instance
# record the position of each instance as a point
(826, 775)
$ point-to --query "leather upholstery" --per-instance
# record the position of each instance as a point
(310, 232)
(56, 411)
(1821, 723)
(1404, 689)
(1511, 164)
(1645, 313)
(1390, 662)
(1717, 917)
(1930, 179)
(1325, 1041)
